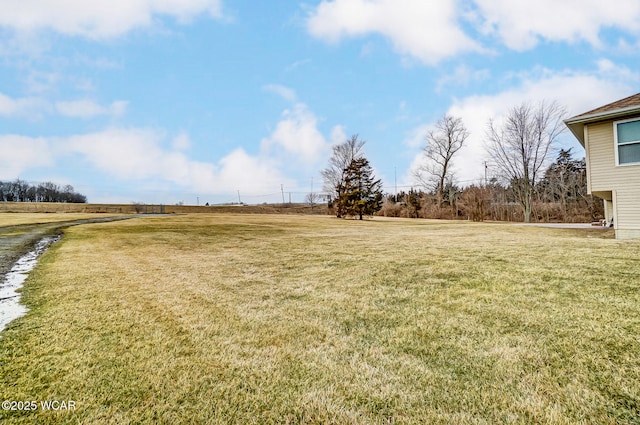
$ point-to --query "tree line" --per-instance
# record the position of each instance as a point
(560, 196)
(526, 185)
(21, 191)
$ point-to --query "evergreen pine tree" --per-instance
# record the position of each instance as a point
(360, 194)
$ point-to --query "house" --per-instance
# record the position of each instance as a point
(610, 135)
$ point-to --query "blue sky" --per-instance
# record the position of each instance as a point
(196, 100)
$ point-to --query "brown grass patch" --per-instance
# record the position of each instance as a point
(292, 319)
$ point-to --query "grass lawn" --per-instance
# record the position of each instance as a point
(257, 319)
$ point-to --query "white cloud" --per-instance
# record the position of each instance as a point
(521, 24)
(435, 30)
(181, 142)
(297, 64)
(241, 171)
(124, 153)
(41, 82)
(577, 91)
(99, 19)
(23, 44)
(88, 108)
(297, 133)
(150, 158)
(427, 30)
(462, 76)
(138, 155)
(29, 107)
(417, 137)
(21, 153)
(338, 135)
(34, 108)
(284, 92)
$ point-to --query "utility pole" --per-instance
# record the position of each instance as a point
(282, 190)
(311, 200)
(395, 182)
(197, 200)
(485, 173)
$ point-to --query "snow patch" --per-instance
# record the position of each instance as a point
(10, 307)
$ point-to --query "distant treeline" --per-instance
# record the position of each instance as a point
(561, 195)
(21, 191)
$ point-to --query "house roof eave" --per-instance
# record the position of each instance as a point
(576, 124)
(577, 128)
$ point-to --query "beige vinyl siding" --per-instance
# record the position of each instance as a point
(604, 175)
(628, 208)
(587, 152)
(602, 158)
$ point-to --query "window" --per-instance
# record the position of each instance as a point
(627, 135)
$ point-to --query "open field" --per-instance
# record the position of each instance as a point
(298, 319)
(118, 209)
(13, 219)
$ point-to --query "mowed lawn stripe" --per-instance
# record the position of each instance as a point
(306, 319)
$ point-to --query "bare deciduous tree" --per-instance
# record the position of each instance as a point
(443, 142)
(520, 146)
(343, 155)
(312, 199)
(476, 201)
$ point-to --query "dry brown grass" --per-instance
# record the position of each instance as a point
(59, 208)
(12, 219)
(290, 319)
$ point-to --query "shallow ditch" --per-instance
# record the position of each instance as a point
(10, 306)
(20, 247)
